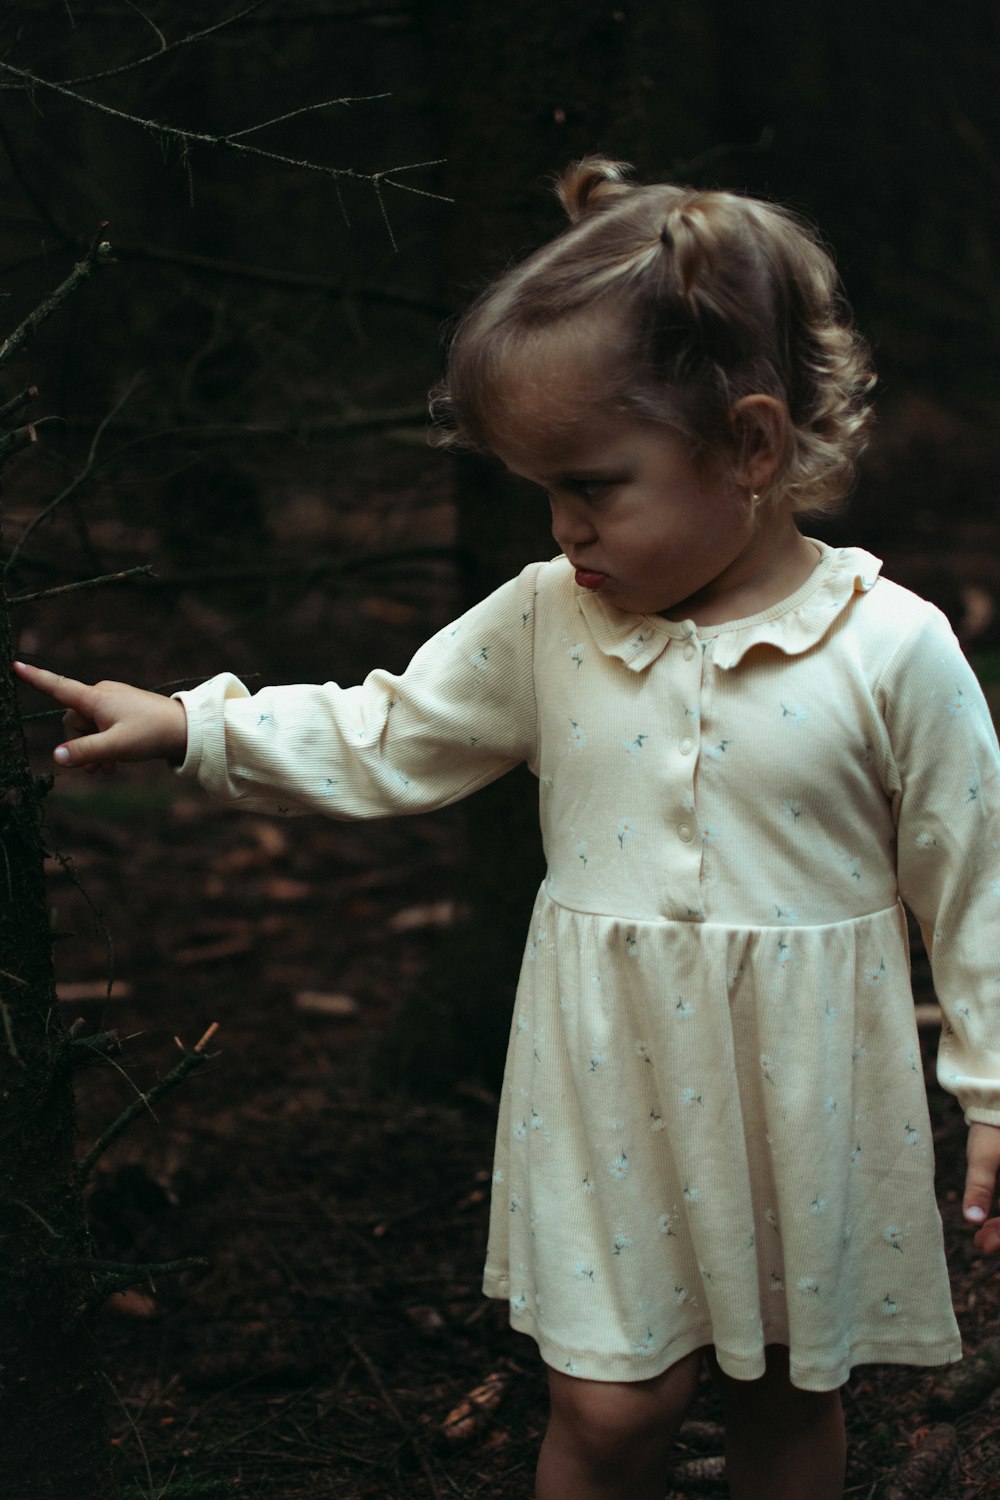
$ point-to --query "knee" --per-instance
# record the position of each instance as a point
(612, 1424)
(773, 1399)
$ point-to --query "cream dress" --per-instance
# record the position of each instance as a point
(713, 1128)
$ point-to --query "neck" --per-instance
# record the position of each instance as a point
(776, 560)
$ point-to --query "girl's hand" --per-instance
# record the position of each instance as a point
(983, 1155)
(111, 721)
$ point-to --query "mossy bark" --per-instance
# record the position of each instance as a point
(54, 1438)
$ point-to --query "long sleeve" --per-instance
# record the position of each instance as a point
(944, 770)
(461, 715)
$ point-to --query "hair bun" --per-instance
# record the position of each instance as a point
(591, 182)
(687, 231)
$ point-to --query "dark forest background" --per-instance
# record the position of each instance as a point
(239, 401)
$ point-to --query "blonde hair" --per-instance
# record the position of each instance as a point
(708, 296)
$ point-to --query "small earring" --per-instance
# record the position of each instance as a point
(754, 497)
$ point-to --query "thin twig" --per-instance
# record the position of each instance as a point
(149, 22)
(153, 1495)
(167, 47)
(99, 254)
(78, 479)
(16, 403)
(86, 583)
(191, 1059)
(19, 437)
(225, 142)
(357, 421)
(138, 1270)
(32, 1213)
(304, 109)
(396, 1414)
(8, 1028)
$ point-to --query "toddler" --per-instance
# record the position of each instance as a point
(750, 748)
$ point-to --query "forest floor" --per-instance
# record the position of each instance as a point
(338, 1321)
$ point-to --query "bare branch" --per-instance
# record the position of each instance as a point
(377, 184)
(16, 403)
(190, 1060)
(399, 418)
(86, 583)
(305, 109)
(112, 1276)
(166, 47)
(181, 136)
(98, 255)
(149, 22)
(407, 187)
(75, 482)
(19, 437)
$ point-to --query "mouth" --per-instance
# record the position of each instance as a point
(588, 579)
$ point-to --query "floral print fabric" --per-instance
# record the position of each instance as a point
(713, 1127)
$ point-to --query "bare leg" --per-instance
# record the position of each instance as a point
(611, 1440)
(781, 1443)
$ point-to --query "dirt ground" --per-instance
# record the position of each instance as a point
(338, 1320)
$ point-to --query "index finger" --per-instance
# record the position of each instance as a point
(65, 690)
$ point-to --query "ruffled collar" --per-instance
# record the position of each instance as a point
(793, 625)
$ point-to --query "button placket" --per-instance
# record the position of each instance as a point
(683, 819)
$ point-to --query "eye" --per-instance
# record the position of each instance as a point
(590, 489)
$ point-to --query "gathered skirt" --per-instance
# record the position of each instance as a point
(717, 1136)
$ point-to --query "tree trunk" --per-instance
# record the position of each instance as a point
(54, 1440)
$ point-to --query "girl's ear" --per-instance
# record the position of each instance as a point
(760, 432)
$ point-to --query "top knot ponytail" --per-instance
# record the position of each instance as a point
(686, 231)
(593, 182)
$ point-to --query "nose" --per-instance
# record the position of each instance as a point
(572, 527)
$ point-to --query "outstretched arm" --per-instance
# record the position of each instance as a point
(111, 721)
(983, 1153)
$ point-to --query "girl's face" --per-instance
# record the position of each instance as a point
(644, 524)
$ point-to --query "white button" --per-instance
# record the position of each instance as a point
(688, 652)
(684, 832)
(686, 746)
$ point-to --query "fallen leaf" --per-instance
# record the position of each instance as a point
(75, 990)
(317, 1003)
(208, 953)
(464, 1419)
(412, 918)
(131, 1304)
(283, 888)
(428, 1320)
(922, 1473)
(963, 1386)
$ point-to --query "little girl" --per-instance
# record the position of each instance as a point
(714, 1138)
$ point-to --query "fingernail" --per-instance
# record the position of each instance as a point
(61, 755)
(977, 1215)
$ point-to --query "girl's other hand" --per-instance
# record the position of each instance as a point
(983, 1156)
(111, 721)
